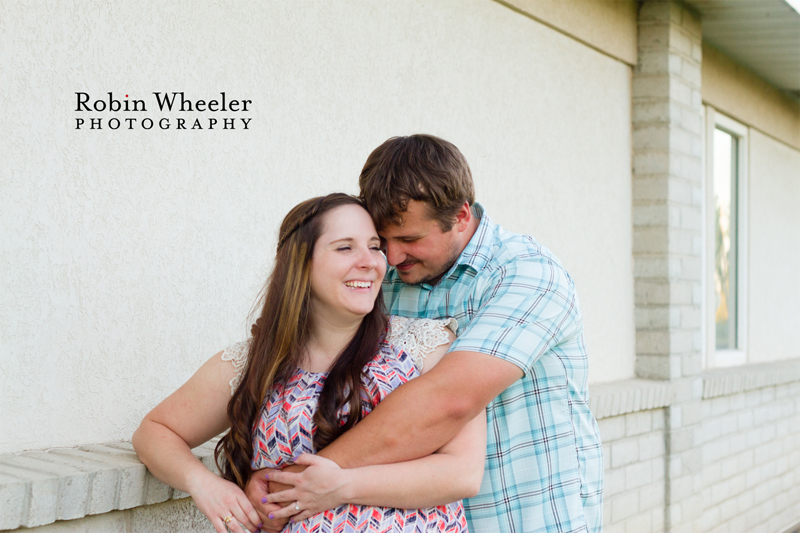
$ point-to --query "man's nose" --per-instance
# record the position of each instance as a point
(394, 254)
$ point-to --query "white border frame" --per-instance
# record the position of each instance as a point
(721, 358)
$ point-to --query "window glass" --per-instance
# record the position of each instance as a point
(725, 188)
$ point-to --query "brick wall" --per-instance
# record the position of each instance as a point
(751, 460)
(749, 448)
(633, 448)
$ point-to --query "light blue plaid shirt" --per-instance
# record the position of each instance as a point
(513, 300)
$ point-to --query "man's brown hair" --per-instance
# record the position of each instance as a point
(417, 167)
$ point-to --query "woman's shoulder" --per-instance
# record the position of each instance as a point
(418, 337)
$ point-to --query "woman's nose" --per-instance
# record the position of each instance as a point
(368, 259)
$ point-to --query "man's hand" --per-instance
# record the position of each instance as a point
(316, 484)
(256, 491)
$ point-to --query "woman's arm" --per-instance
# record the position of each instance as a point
(190, 416)
(452, 473)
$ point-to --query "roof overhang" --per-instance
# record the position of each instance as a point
(761, 35)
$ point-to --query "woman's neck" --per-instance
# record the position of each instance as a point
(326, 342)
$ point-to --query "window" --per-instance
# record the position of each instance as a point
(725, 253)
(725, 180)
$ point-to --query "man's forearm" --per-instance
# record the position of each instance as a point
(402, 427)
(453, 473)
(418, 418)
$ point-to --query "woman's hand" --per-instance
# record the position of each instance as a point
(189, 417)
(218, 498)
(318, 487)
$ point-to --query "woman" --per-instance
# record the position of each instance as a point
(317, 363)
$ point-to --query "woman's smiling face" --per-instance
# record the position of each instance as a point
(347, 266)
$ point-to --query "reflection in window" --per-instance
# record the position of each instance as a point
(725, 189)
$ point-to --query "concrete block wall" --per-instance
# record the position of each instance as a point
(667, 191)
(712, 477)
(634, 453)
(746, 445)
(668, 233)
(750, 444)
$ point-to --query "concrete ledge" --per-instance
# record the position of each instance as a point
(38, 488)
(733, 380)
(628, 396)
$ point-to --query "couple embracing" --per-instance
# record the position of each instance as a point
(483, 331)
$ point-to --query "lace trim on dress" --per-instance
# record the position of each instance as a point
(419, 336)
(237, 354)
(416, 336)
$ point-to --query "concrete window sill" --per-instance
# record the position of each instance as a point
(632, 395)
(629, 396)
(738, 379)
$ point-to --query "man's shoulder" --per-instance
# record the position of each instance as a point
(513, 251)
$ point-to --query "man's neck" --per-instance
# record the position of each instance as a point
(464, 238)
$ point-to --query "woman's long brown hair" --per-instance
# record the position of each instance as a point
(279, 338)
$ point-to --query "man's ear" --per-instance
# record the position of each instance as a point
(463, 217)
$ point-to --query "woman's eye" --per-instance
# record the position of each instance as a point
(342, 248)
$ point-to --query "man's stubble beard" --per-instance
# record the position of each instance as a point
(432, 279)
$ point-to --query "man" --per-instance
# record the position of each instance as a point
(519, 353)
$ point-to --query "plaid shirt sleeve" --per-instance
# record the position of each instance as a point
(528, 307)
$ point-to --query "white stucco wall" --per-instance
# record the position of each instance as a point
(608, 25)
(129, 257)
(774, 258)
